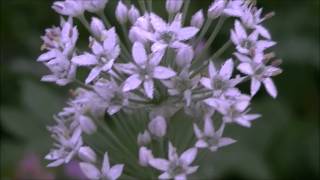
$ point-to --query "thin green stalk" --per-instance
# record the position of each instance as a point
(185, 10)
(149, 3)
(142, 6)
(203, 31)
(104, 18)
(125, 35)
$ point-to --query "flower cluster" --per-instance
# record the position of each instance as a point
(158, 66)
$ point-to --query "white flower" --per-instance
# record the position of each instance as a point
(173, 6)
(248, 44)
(209, 138)
(103, 55)
(176, 167)
(69, 7)
(258, 72)
(220, 81)
(68, 141)
(106, 172)
(144, 70)
(158, 126)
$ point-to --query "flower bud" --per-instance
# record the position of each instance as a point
(144, 139)
(87, 154)
(173, 6)
(97, 26)
(122, 13)
(184, 56)
(197, 19)
(158, 126)
(87, 125)
(144, 156)
(133, 14)
(68, 8)
(95, 5)
(216, 8)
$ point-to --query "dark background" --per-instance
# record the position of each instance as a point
(283, 144)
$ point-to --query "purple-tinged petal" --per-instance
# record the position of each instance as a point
(255, 86)
(133, 82)
(115, 172)
(208, 127)
(181, 177)
(161, 72)
(189, 155)
(157, 46)
(85, 60)
(156, 58)
(48, 55)
(90, 170)
(201, 144)
(270, 87)
(165, 176)
(160, 164)
(197, 131)
(206, 82)
(187, 33)
(148, 88)
(157, 23)
(245, 68)
(94, 73)
(226, 141)
(226, 69)
(139, 53)
(263, 32)
(127, 68)
(212, 70)
(240, 31)
(242, 58)
(110, 42)
(105, 163)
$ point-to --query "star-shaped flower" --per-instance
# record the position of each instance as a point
(144, 70)
(248, 44)
(106, 172)
(103, 55)
(209, 138)
(220, 81)
(177, 167)
(259, 73)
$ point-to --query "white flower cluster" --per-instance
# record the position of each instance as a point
(158, 66)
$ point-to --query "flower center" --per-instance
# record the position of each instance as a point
(168, 37)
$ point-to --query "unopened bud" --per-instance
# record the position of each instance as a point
(144, 139)
(97, 26)
(122, 13)
(216, 9)
(68, 8)
(184, 56)
(158, 126)
(94, 5)
(133, 14)
(197, 19)
(173, 6)
(87, 154)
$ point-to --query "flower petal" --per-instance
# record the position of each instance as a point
(189, 155)
(226, 141)
(85, 60)
(157, 22)
(116, 171)
(160, 164)
(226, 69)
(105, 163)
(133, 82)
(208, 127)
(270, 87)
(255, 86)
(149, 88)
(187, 33)
(245, 68)
(206, 82)
(161, 72)
(90, 170)
(93, 74)
(139, 53)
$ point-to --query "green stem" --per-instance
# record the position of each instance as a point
(185, 10)
(203, 31)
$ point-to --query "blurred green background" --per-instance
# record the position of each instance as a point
(283, 144)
